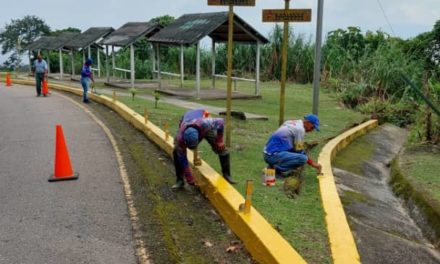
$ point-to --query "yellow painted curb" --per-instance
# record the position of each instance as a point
(342, 243)
(263, 242)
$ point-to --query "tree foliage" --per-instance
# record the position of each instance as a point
(18, 34)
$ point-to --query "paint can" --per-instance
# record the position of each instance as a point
(268, 177)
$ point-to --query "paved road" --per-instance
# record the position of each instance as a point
(83, 221)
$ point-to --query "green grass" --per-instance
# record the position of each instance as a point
(299, 220)
(423, 167)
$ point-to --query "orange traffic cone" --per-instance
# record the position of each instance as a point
(45, 88)
(8, 80)
(63, 169)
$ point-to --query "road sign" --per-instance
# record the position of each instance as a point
(233, 2)
(289, 15)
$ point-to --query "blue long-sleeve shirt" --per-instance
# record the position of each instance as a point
(86, 72)
(209, 128)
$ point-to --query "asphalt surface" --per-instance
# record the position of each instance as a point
(82, 221)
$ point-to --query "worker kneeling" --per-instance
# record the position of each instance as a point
(284, 151)
(195, 126)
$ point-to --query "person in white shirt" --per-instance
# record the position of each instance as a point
(284, 151)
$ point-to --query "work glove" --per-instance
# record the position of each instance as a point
(220, 147)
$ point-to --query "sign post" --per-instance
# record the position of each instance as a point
(231, 4)
(285, 15)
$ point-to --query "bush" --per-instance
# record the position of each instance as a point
(401, 114)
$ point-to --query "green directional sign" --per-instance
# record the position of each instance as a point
(289, 15)
(233, 2)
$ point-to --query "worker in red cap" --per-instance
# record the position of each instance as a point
(195, 126)
(284, 151)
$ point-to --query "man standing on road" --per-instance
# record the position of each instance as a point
(194, 126)
(40, 72)
(86, 77)
(284, 151)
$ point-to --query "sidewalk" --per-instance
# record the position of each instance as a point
(186, 104)
(174, 101)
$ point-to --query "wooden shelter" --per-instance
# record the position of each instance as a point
(87, 40)
(189, 29)
(126, 36)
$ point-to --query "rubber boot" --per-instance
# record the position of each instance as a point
(226, 168)
(179, 173)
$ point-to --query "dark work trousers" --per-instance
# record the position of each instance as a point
(39, 78)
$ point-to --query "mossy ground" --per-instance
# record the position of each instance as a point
(415, 176)
(352, 158)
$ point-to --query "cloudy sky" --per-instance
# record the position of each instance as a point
(407, 18)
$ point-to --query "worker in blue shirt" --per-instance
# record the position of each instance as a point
(86, 78)
(39, 70)
(284, 151)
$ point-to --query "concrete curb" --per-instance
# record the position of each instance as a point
(342, 244)
(263, 242)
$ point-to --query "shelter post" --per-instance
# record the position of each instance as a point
(107, 70)
(257, 66)
(61, 64)
(89, 52)
(132, 65)
(213, 63)
(158, 66)
(153, 60)
(182, 65)
(48, 61)
(198, 70)
(99, 62)
(113, 61)
(72, 61)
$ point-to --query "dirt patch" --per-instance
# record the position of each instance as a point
(177, 227)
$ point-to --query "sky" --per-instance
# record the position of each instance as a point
(400, 18)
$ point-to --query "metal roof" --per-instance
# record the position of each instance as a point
(130, 33)
(40, 43)
(89, 37)
(190, 28)
(52, 42)
(60, 41)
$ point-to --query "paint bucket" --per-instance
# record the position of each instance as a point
(268, 177)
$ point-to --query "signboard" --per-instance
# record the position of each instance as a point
(289, 15)
(233, 2)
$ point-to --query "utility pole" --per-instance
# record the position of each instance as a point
(317, 69)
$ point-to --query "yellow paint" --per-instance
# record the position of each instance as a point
(197, 161)
(248, 201)
(263, 242)
(146, 115)
(342, 244)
